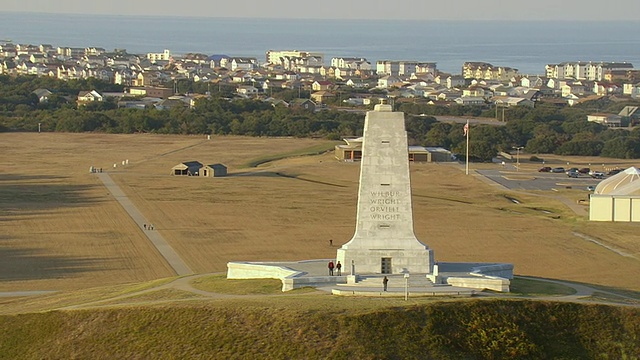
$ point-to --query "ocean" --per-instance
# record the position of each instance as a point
(526, 46)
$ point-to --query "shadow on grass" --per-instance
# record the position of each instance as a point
(288, 176)
(15, 177)
(33, 194)
(33, 264)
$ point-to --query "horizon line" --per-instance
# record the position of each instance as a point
(479, 20)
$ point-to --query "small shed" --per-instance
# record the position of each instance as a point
(189, 168)
(215, 170)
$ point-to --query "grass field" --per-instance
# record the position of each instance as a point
(62, 230)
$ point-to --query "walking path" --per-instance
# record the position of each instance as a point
(583, 294)
(172, 257)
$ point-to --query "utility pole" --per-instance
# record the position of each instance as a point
(518, 148)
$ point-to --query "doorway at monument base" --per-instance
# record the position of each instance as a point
(386, 261)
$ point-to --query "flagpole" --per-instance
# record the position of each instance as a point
(466, 131)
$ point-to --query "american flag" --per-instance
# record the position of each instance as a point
(466, 129)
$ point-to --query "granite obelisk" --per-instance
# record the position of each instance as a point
(384, 239)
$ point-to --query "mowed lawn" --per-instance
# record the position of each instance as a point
(61, 229)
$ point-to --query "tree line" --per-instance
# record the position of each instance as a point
(540, 130)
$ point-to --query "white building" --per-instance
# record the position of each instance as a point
(163, 56)
(617, 198)
(275, 56)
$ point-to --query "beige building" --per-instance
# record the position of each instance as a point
(188, 168)
(214, 170)
(617, 198)
(352, 151)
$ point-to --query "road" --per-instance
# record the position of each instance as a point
(472, 120)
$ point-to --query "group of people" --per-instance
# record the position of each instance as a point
(148, 227)
(338, 269)
(336, 266)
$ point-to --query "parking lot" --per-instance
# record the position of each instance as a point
(534, 180)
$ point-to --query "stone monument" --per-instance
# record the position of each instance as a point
(384, 241)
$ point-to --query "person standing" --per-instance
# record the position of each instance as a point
(330, 268)
(339, 268)
(385, 280)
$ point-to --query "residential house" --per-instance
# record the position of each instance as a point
(508, 101)
(69, 52)
(358, 101)
(157, 92)
(426, 70)
(476, 91)
(453, 81)
(571, 99)
(42, 94)
(305, 104)
(94, 51)
(389, 81)
(605, 88)
(575, 88)
(470, 100)
(632, 90)
(277, 56)
(320, 97)
(38, 59)
(358, 83)
(610, 120)
(246, 90)
(322, 85)
(215, 61)
(630, 113)
(351, 63)
(168, 104)
(242, 63)
(85, 97)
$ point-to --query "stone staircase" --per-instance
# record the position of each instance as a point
(396, 281)
(418, 285)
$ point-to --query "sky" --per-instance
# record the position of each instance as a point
(346, 9)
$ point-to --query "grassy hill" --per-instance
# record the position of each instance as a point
(63, 232)
(301, 328)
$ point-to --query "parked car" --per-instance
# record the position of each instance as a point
(613, 172)
(572, 170)
(596, 174)
(544, 169)
(573, 174)
(584, 170)
(591, 188)
(557, 170)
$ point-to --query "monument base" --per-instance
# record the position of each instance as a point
(387, 261)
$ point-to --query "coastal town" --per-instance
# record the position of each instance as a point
(149, 79)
